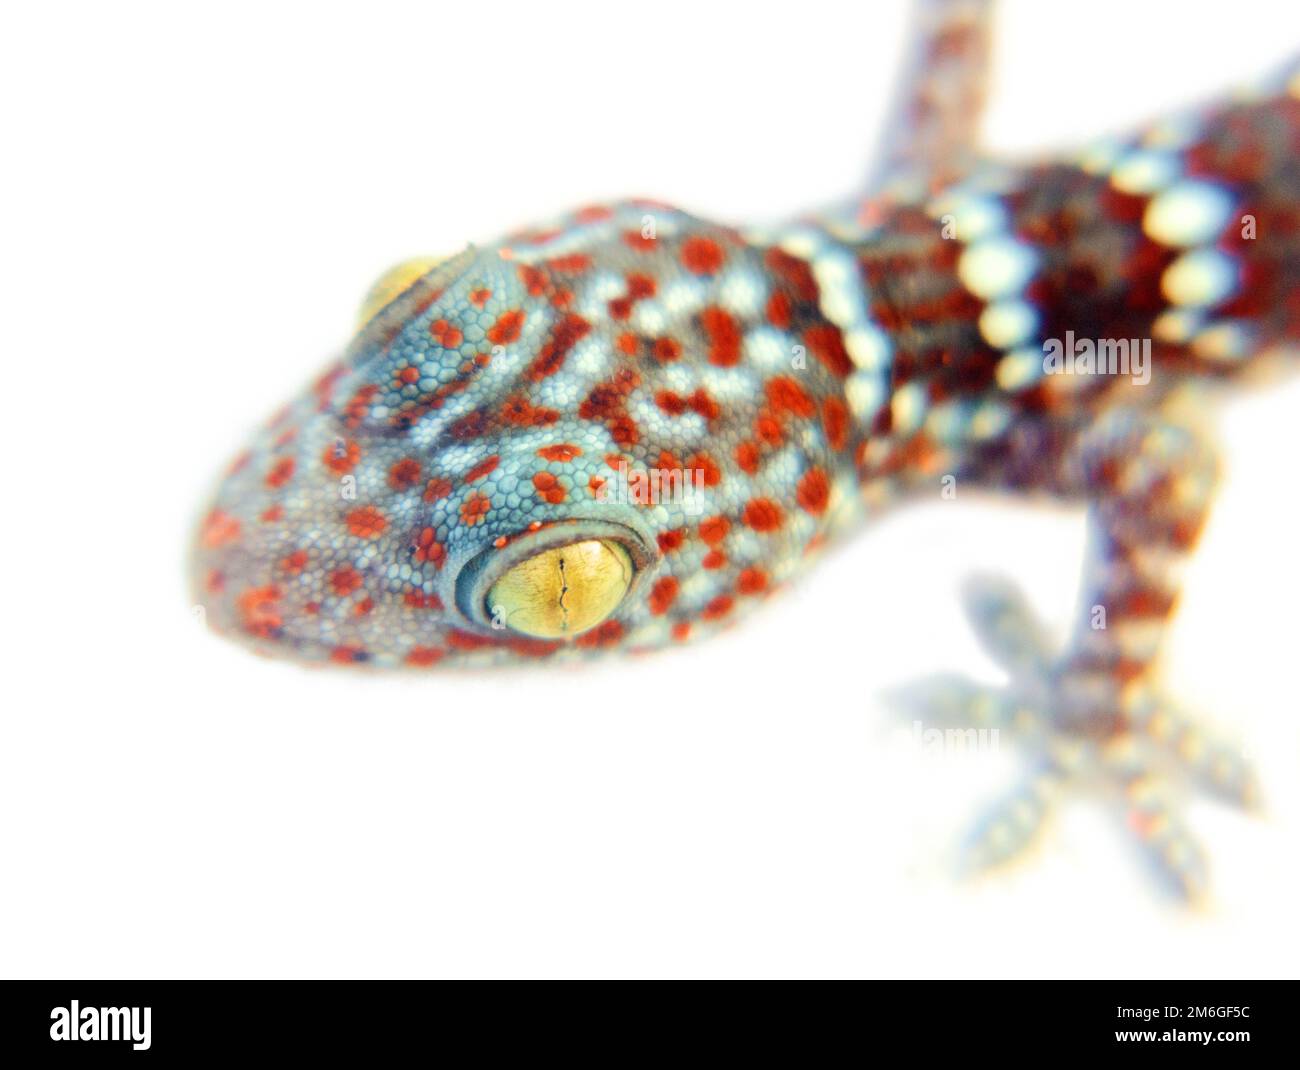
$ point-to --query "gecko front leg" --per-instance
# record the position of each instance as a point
(1093, 717)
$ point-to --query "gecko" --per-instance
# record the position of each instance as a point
(626, 428)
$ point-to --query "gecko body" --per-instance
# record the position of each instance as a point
(699, 408)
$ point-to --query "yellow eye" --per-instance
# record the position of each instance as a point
(563, 591)
(394, 281)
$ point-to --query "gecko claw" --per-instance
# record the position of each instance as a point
(1127, 744)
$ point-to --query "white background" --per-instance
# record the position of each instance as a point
(194, 200)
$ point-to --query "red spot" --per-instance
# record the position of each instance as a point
(703, 463)
(640, 286)
(606, 634)
(474, 508)
(636, 240)
(705, 405)
(767, 428)
(666, 350)
(662, 595)
(746, 457)
(778, 310)
(564, 336)
(484, 467)
(723, 334)
(420, 600)
(670, 540)
(701, 256)
(480, 297)
(562, 451)
(719, 607)
(437, 488)
(347, 655)
(827, 345)
(521, 412)
(507, 328)
(795, 272)
(751, 581)
(219, 529)
(341, 457)
(272, 515)
(355, 409)
(295, 562)
(259, 612)
(714, 559)
(785, 395)
(681, 630)
(573, 264)
(404, 474)
(367, 522)
(280, 473)
(814, 491)
(548, 488)
(763, 514)
(673, 404)
(533, 279)
(623, 430)
(714, 529)
(447, 336)
(428, 548)
(469, 426)
(627, 344)
(835, 419)
(423, 656)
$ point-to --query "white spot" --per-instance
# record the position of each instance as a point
(1190, 212)
(974, 216)
(682, 298)
(991, 418)
(996, 267)
(865, 394)
(767, 349)
(1008, 323)
(648, 317)
(868, 347)
(1227, 341)
(1177, 325)
(589, 358)
(1019, 369)
(741, 292)
(907, 408)
(839, 286)
(1199, 278)
(802, 243)
(1100, 156)
(1145, 171)
(947, 422)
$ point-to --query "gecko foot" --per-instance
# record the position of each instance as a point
(1123, 743)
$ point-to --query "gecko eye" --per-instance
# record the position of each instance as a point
(564, 590)
(393, 282)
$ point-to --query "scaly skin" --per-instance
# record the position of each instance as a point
(808, 377)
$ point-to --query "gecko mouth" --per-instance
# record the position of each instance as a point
(556, 583)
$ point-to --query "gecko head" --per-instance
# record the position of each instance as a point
(548, 446)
